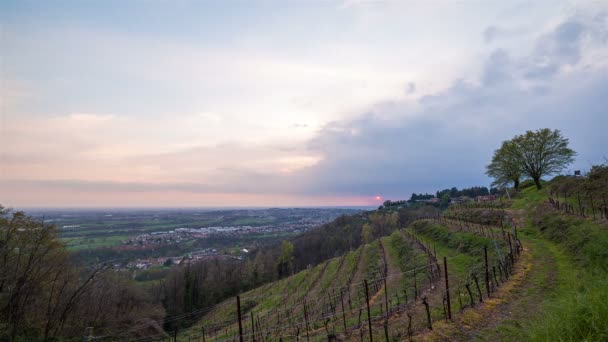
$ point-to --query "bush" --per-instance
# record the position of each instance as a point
(595, 184)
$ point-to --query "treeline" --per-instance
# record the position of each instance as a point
(44, 296)
(196, 285)
(469, 192)
(389, 203)
(420, 197)
(455, 192)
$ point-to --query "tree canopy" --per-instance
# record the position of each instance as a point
(505, 167)
(534, 154)
(44, 296)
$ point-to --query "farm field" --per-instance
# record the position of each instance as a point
(80, 227)
(140, 235)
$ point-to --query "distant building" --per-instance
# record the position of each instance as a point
(461, 200)
(487, 198)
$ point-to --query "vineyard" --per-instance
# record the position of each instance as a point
(585, 197)
(477, 268)
(394, 288)
(533, 268)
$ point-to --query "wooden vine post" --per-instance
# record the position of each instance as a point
(369, 314)
(386, 296)
(343, 313)
(447, 286)
(428, 313)
(306, 318)
(252, 326)
(238, 309)
(485, 253)
(510, 249)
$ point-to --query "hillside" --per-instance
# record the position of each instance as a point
(546, 280)
(402, 272)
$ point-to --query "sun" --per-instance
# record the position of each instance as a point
(378, 198)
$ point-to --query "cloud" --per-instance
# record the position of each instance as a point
(411, 88)
(490, 33)
(450, 138)
(407, 143)
(88, 117)
(562, 46)
(496, 34)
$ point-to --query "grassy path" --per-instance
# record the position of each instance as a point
(553, 277)
(543, 274)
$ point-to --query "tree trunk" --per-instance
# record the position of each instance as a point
(537, 182)
(516, 184)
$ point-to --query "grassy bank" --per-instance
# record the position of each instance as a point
(576, 303)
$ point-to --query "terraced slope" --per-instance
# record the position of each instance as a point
(545, 279)
(558, 291)
(329, 299)
(323, 288)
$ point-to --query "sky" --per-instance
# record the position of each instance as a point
(286, 103)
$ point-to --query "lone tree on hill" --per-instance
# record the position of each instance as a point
(505, 166)
(541, 153)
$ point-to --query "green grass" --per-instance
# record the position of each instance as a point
(89, 243)
(459, 263)
(349, 267)
(568, 302)
(402, 250)
(578, 309)
(373, 260)
(319, 278)
(586, 241)
(575, 307)
(464, 250)
(329, 276)
(529, 198)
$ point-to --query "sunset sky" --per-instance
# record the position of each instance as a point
(286, 103)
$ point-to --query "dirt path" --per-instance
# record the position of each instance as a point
(522, 297)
